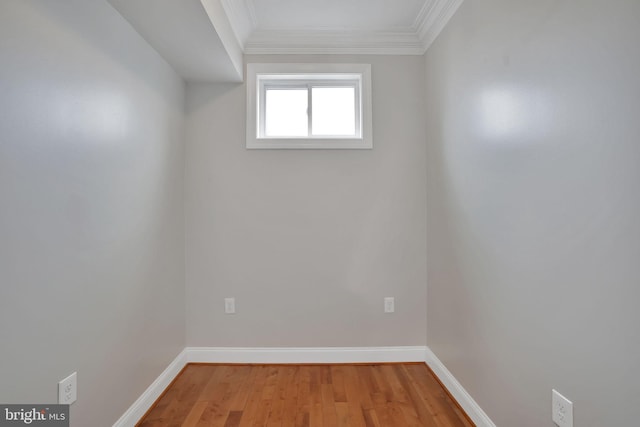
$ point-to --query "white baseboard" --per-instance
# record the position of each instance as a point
(306, 355)
(473, 410)
(151, 394)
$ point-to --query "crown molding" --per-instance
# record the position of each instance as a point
(414, 40)
(333, 42)
(433, 17)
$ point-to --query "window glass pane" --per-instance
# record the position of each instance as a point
(286, 112)
(334, 111)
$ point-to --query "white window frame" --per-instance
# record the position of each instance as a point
(264, 76)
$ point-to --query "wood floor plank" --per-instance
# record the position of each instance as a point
(239, 399)
(194, 415)
(233, 420)
(303, 418)
(422, 414)
(329, 414)
(218, 409)
(216, 394)
(290, 409)
(381, 399)
(441, 406)
(371, 395)
(337, 376)
(275, 415)
(194, 382)
(353, 392)
(342, 409)
(370, 418)
(254, 398)
(316, 416)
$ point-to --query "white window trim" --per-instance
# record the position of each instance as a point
(287, 72)
(336, 80)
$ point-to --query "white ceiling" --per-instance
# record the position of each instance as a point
(369, 15)
(204, 40)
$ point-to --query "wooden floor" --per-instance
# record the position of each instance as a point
(386, 395)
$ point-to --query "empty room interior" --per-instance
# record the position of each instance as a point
(348, 184)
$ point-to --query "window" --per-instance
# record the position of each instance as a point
(309, 108)
(318, 106)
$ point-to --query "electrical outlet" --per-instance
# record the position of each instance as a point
(389, 305)
(229, 305)
(68, 390)
(561, 410)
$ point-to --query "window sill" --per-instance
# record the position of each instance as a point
(310, 144)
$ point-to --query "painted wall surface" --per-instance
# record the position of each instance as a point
(309, 242)
(533, 207)
(91, 208)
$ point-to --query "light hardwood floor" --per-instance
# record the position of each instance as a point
(380, 395)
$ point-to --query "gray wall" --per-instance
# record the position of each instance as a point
(91, 216)
(533, 207)
(309, 242)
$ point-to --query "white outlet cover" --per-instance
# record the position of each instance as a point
(561, 410)
(229, 305)
(389, 305)
(68, 389)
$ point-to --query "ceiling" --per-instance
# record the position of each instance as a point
(205, 40)
(334, 14)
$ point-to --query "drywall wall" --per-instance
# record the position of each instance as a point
(91, 216)
(533, 207)
(309, 242)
